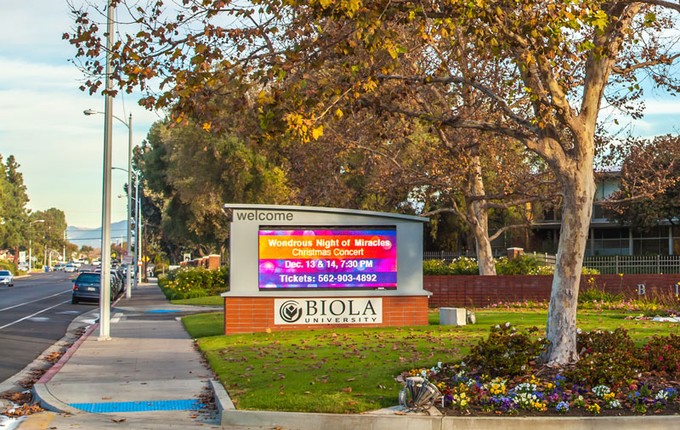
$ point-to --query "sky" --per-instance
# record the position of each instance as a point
(60, 150)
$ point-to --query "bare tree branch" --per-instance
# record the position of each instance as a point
(504, 229)
(462, 81)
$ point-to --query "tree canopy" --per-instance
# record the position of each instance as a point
(13, 201)
(535, 72)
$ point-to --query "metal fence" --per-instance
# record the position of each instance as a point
(443, 255)
(448, 256)
(606, 265)
(634, 264)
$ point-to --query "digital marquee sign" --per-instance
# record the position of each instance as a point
(327, 258)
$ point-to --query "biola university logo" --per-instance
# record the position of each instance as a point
(358, 310)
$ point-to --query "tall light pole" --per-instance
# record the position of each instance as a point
(128, 292)
(127, 124)
(140, 255)
(105, 285)
(30, 246)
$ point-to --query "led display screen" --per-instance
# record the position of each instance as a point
(327, 258)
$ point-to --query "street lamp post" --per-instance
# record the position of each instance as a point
(30, 246)
(138, 238)
(105, 285)
(127, 124)
(128, 292)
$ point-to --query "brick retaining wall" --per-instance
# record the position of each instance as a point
(480, 291)
(256, 314)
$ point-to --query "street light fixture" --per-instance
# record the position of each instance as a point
(127, 124)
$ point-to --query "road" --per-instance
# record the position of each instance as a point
(34, 314)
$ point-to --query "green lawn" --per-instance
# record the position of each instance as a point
(353, 370)
(201, 301)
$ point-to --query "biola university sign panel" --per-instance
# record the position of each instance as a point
(293, 267)
(328, 311)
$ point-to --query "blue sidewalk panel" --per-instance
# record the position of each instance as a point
(142, 406)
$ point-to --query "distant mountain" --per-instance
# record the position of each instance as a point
(93, 236)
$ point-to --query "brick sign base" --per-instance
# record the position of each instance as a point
(258, 314)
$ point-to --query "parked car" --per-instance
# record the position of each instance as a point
(86, 288)
(117, 279)
(70, 267)
(6, 278)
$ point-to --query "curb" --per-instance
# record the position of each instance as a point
(222, 400)
(42, 394)
(47, 401)
(47, 376)
(311, 421)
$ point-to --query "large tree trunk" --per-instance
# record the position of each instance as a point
(579, 190)
(479, 221)
(478, 218)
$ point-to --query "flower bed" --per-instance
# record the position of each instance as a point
(613, 377)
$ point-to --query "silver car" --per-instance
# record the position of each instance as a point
(6, 278)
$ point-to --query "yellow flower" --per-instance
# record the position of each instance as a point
(593, 409)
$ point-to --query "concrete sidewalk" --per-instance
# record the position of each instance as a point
(148, 372)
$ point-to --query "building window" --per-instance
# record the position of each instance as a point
(608, 241)
(651, 242)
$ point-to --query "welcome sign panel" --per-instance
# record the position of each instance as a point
(327, 258)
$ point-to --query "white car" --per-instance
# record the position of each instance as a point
(6, 278)
(70, 268)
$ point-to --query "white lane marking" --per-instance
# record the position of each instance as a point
(34, 301)
(32, 315)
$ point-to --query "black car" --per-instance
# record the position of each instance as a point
(86, 288)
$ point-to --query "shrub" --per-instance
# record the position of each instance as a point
(220, 281)
(464, 266)
(7, 265)
(459, 266)
(191, 282)
(606, 357)
(593, 293)
(662, 354)
(506, 352)
(523, 265)
(435, 267)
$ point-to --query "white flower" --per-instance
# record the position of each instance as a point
(601, 390)
(661, 395)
